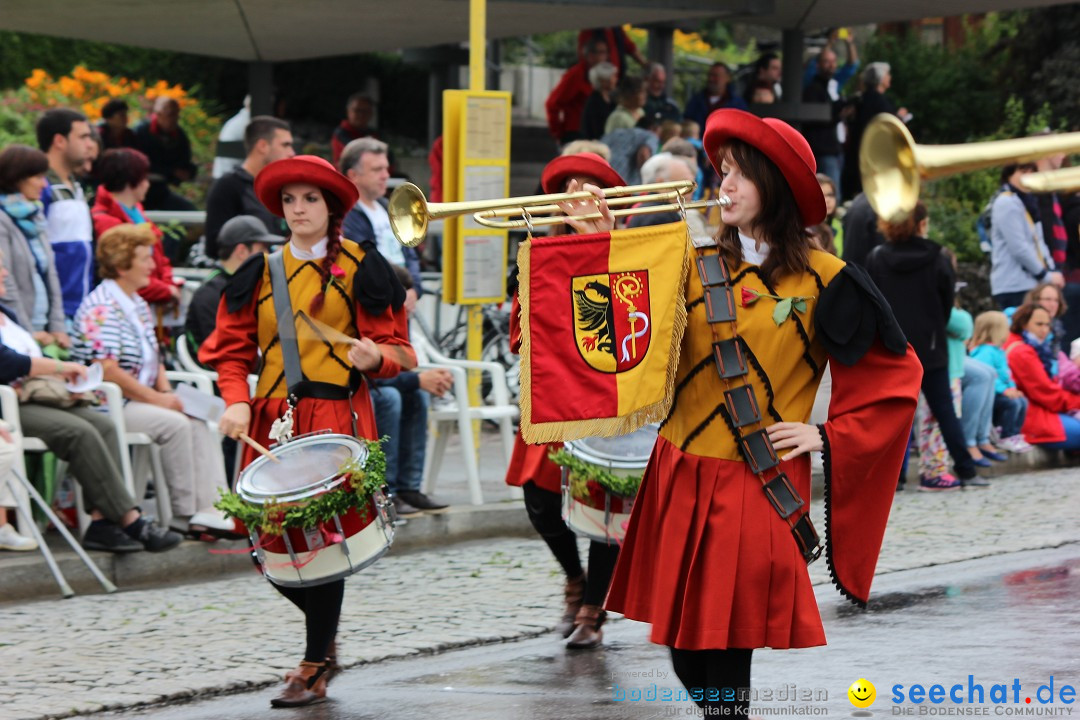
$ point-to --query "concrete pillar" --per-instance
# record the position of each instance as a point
(494, 64)
(261, 87)
(792, 68)
(662, 50)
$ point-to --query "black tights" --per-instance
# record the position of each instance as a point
(321, 606)
(545, 513)
(723, 672)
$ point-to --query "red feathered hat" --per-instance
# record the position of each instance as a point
(587, 164)
(782, 144)
(302, 169)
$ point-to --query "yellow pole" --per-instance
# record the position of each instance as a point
(474, 345)
(477, 44)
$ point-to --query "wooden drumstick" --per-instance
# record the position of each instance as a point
(259, 448)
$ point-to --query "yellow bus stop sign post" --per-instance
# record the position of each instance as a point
(476, 166)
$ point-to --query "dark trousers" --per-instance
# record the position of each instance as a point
(321, 606)
(716, 677)
(1009, 414)
(935, 386)
(545, 514)
(1010, 299)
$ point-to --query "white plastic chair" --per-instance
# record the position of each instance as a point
(140, 447)
(9, 406)
(458, 413)
(23, 491)
(187, 360)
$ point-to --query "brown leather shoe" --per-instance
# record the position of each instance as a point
(575, 594)
(306, 685)
(587, 633)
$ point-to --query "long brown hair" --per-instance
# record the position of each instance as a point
(907, 228)
(336, 215)
(778, 223)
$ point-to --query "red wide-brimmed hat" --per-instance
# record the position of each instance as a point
(782, 144)
(587, 164)
(302, 169)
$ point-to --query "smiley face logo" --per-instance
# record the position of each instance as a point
(862, 693)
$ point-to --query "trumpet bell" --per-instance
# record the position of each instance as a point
(890, 174)
(408, 214)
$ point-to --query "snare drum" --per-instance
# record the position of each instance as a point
(310, 467)
(589, 508)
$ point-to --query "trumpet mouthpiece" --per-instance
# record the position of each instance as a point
(723, 201)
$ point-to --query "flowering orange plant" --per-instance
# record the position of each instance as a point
(88, 90)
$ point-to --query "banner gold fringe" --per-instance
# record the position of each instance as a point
(549, 432)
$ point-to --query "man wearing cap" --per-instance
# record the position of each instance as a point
(239, 239)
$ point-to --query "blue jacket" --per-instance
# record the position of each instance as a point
(13, 365)
(357, 228)
(995, 357)
(698, 109)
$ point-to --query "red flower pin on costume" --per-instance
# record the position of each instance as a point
(749, 297)
(336, 273)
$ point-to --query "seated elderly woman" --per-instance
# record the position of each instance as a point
(124, 175)
(113, 327)
(1053, 417)
(32, 286)
(82, 436)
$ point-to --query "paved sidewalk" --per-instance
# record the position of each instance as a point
(95, 653)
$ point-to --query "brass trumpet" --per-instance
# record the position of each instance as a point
(410, 212)
(1060, 180)
(893, 165)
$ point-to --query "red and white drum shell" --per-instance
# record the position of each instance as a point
(334, 549)
(597, 513)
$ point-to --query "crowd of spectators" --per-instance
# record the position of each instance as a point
(85, 274)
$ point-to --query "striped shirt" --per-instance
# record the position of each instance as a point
(104, 332)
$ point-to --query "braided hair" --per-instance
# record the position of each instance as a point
(333, 247)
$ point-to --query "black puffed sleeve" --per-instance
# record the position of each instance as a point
(851, 313)
(376, 286)
(242, 284)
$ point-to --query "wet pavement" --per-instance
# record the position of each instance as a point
(1002, 619)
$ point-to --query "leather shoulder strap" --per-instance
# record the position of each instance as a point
(290, 350)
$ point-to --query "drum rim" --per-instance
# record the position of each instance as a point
(587, 454)
(319, 486)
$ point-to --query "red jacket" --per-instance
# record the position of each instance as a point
(1046, 399)
(108, 213)
(567, 101)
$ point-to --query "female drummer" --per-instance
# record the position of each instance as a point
(716, 551)
(530, 467)
(340, 284)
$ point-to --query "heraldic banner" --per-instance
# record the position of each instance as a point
(602, 319)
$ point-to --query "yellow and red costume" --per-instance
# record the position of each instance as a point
(357, 303)
(707, 559)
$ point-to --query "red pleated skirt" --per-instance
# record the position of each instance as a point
(311, 415)
(708, 561)
(530, 462)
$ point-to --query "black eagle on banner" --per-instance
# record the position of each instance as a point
(597, 315)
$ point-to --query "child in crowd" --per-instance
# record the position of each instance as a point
(1010, 405)
(828, 189)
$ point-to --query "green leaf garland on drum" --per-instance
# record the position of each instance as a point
(582, 472)
(362, 480)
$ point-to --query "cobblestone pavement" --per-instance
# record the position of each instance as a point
(93, 653)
